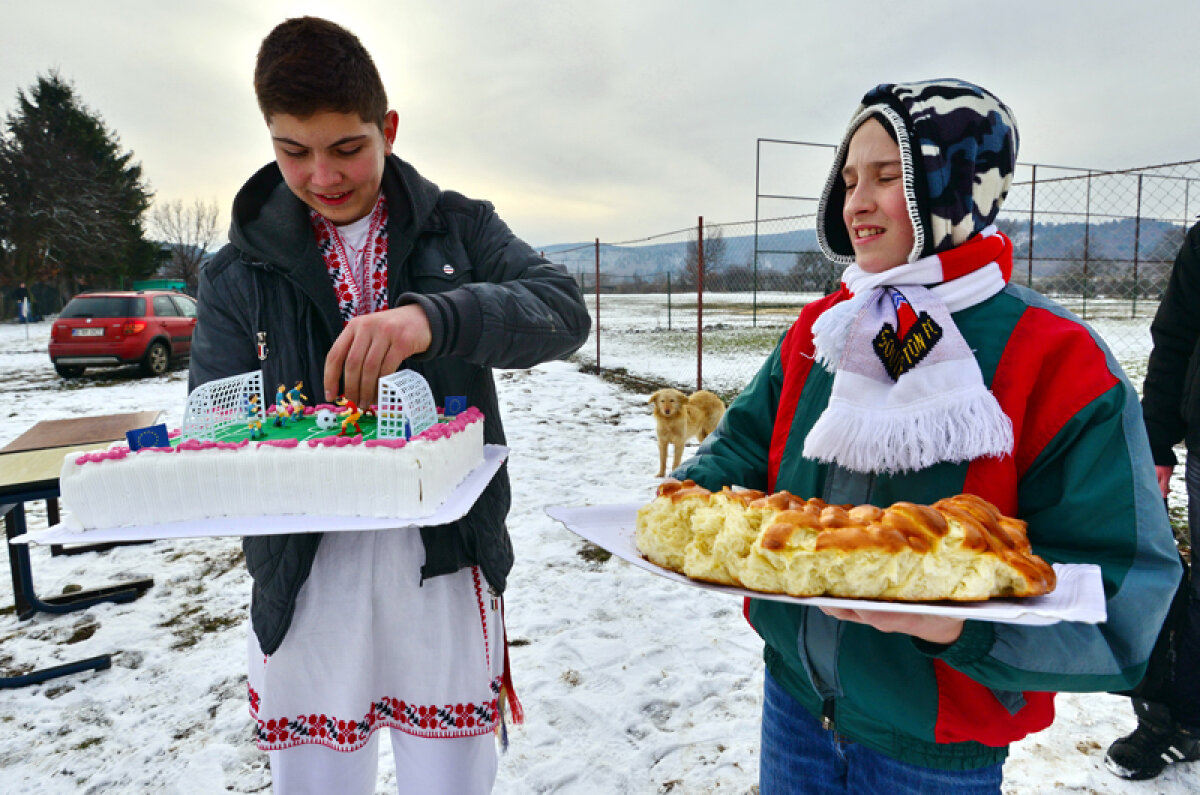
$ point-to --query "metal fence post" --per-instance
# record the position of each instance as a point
(700, 303)
(1032, 203)
(597, 306)
(757, 192)
(668, 300)
(1087, 234)
(1137, 242)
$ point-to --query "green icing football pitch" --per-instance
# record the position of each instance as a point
(303, 430)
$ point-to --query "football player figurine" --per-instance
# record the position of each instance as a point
(296, 398)
(282, 407)
(253, 421)
(352, 413)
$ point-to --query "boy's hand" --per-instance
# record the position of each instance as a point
(372, 346)
(935, 629)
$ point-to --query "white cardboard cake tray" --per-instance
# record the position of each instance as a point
(1078, 596)
(455, 506)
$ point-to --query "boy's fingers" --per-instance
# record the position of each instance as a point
(333, 364)
(352, 367)
(371, 369)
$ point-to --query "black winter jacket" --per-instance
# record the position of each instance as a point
(1171, 391)
(490, 300)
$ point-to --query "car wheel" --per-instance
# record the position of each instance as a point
(69, 370)
(156, 360)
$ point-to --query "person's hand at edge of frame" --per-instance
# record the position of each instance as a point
(1163, 473)
(372, 346)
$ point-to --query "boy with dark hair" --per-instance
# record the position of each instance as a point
(344, 264)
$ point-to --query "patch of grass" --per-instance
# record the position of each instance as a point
(519, 642)
(82, 631)
(1179, 524)
(191, 624)
(592, 553)
(190, 635)
(180, 616)
(88, 743)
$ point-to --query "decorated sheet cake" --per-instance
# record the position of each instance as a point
(234, 457)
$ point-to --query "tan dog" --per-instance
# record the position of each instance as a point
(681, 418)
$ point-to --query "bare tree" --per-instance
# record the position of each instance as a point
(189, 231)
(714, 256)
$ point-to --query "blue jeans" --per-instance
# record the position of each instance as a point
(798, 756)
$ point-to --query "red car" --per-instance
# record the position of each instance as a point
(149, 327)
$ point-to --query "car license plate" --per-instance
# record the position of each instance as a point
(87, 332)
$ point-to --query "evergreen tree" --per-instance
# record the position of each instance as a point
(71, 202)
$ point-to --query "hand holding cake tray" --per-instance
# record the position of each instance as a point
(226, 474)
(959, 559)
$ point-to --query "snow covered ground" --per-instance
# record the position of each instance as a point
(631, 683)
(654, 337)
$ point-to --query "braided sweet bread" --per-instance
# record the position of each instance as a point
(961, 548)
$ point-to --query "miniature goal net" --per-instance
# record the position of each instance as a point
(404, 395)
(221, 403)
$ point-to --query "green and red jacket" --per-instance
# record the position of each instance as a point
(1081, 477)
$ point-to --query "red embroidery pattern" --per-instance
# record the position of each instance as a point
(428, 720)
(447, 720)
(487, 647)
(341, 270)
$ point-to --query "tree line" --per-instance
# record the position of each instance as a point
(75, 207)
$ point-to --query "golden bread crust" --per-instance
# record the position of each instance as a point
(960, 548)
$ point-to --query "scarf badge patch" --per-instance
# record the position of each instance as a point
(902, 347)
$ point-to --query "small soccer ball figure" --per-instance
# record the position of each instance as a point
(327, 420)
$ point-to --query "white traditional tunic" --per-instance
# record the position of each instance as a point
(370, 645)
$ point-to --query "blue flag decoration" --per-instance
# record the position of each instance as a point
(455, 405)
(150, 436)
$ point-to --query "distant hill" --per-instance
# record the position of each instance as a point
(1056, 246)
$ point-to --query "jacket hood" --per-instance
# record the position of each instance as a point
(958, 150)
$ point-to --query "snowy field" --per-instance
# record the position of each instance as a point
(631, 683)
(653, 336)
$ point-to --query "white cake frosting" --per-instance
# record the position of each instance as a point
(340, 477)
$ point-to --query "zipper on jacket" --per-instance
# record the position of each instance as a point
(827, 721)
(262, 345)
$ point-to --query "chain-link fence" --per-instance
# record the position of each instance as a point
(665, 312)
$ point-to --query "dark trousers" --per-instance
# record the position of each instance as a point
(1184, 698)
(1175, 700)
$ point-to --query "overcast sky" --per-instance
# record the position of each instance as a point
(622, 119)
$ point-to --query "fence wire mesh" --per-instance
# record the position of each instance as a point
(1099, 242)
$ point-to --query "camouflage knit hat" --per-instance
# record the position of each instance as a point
(958, 149)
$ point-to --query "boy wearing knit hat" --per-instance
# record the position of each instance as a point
(925, 375)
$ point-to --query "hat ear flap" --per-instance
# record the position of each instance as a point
(837, 239)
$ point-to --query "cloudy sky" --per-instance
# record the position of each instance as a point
(625, 118)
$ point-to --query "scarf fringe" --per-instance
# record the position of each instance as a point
(832, 328)
(952, 427)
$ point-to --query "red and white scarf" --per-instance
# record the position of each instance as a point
(359, 277)
(907, 391)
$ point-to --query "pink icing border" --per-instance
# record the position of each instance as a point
(442, 430)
